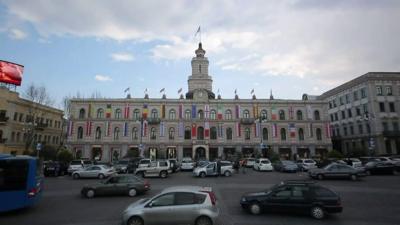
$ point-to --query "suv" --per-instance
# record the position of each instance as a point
(127, 165)
(299, 196)
(187, 164)
(144, 163)
(78, 164)
(175, 205)
(214, 169)
(155, 169)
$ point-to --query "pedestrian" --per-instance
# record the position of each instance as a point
(243, 166)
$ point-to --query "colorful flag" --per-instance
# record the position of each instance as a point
(180, 111)
(11, 73)
(163, 111)
(108, 111)
(257, 128)
(237, 110)
(309, 112)
(126, 111)
(194, 129)
(219, 113)
(143, 128)
(108, 128)
(291, 112)
(88, 128)
(162, 89)
(328, 130)
(207, 111)
(126, 90)
(220, 130)
(255, 111)
(181, 129)
(145, 111)
(125, 129)
(70, 127)
(180, 90)
(252, 91)
(274, 130)
(238, 130)
(206, 129)
(292, 130)
(90, 110)
(194, 112)
(162, 129)
(274, 113)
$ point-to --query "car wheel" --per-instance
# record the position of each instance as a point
(255, 209)
(317, 212)
(90, 193)
(320, 177)
(203, 221)
(202, 174)
(163, 174)
(227, 173)
(132, 192)
(75, 176)
(101, 176)
(368, 173)
(353, 177)
(135, 221)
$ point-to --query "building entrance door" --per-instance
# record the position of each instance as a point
(200, 153)
(97, 153)
(171, 153)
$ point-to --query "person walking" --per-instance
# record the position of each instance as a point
(243, 166)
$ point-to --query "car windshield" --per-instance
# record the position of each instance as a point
(288, 163)
(309, 161)
(187, 161)
(265, 161)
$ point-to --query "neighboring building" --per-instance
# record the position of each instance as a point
(198, 126)
(20, 119)
(364, 114)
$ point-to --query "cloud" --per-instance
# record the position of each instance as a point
(122, 57)
(17, 34)
(102, 78)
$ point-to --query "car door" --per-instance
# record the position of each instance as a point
(278, 200)
(345, 171)
(108, 187)
(160, 210)
(299, 201)
(211, 169)
(185, 208)
(86, 172)
(331, 171)
(94, 171)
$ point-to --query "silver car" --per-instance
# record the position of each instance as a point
(175, 205)
(96, 171)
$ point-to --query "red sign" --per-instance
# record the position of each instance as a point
(11, 73)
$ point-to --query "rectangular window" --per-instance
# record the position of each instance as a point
(347, 98)
(391, 107)
(360, 129)
(15, 116)
(343, 115)
(365, 108)
(336, 117)
(345, 131)
(363, 93)
(330, 105)
(382, 106)
(395, 126)
(349, 113)
(368, 128)
(355, 96)
(385, 126)
(332, 118)
(358, 111)
(351, 130)
(21, 117)
(378, 90)
(334, 102)
(341, 100)
(389, 90)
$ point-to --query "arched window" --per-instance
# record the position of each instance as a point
(98, 133)
(281, 115)
(247, 133)
(265, 134)
(154, 113)
(319, 134)
(82, 113)
(213, 133)
(153, 133)
(136, 114)
(171, 133)
(316, 115)
(264, 115)
(283, 134)
(188, 133)
(229, 133)
(200, 133)
(301, 134)
(172, 114)
(246, 114)
(116, 133)
(118, 114)
(200, 114)
(299, 115)
(100, 113)
(134, 133)
(228, 114)
(188, 114)
(213, 114)
(80, 133)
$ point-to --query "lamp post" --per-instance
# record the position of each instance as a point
(371, 143)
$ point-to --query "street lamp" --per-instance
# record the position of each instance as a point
(371, 143)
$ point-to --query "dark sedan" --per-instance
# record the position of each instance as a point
(117, 185)
(286, 166)
(305, 197)
(336, 171)
(378, 167)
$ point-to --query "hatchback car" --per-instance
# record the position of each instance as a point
(293, 197)
(306, 164)
(263, 164)
(187, 164)
(249, 162)
(97, 171)
(337, 171)
(117, 185)
(379, 167)
(174, 205)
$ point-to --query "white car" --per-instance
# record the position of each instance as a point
(250, 162)
(79, 164)
(263, 164)
(187, 164)
(144, 163)
(99, 171)
(306, 164)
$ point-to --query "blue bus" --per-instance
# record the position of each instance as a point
(21, 182)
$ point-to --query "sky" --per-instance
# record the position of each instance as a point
(290, 47)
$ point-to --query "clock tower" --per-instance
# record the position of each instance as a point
(200, 83)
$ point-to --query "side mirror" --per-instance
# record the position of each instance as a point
(150, 205)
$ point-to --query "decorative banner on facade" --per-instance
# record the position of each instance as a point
(206, 129)
(219, 113)
(180, 111)
(309, 112)
(207, 111)
(90, 110)
(220, 130)
(291, 112)
(310, 130)
(328, 130)
(237, 129)
(88, 128)
(145, 111)
(237, 111)
(70, 128)
(108, 128)
(255, 111)
(162, 129)
(257, 128)
(194, 111)
(126, 111)
(163, 111)
(11, 73)
(108, 111)
(274, 130)
(181, 129)
(292, 130)
(125, 129)
(274, 113)
(194, 129)
(143, 128)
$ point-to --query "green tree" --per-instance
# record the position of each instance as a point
(64, 155)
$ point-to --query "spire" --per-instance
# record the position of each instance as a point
(271, 97)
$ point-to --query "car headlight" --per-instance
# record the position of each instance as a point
(244, 199)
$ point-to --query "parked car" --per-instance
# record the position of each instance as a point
(187, 164)
(174, 165)
(328, 161)
(201, 162)
(294, 197)
(249, 162)
(338, 171)
(306, 164)
(55, 168)
(117, 185)
(144, 163)
(96, 171)
(353, 162)
(218, 168)
(127, 165)
(155, 169)
(286, 166)
(263, 164)
(75, 165)
(366, 159)
(380, 167)
(174, 205)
